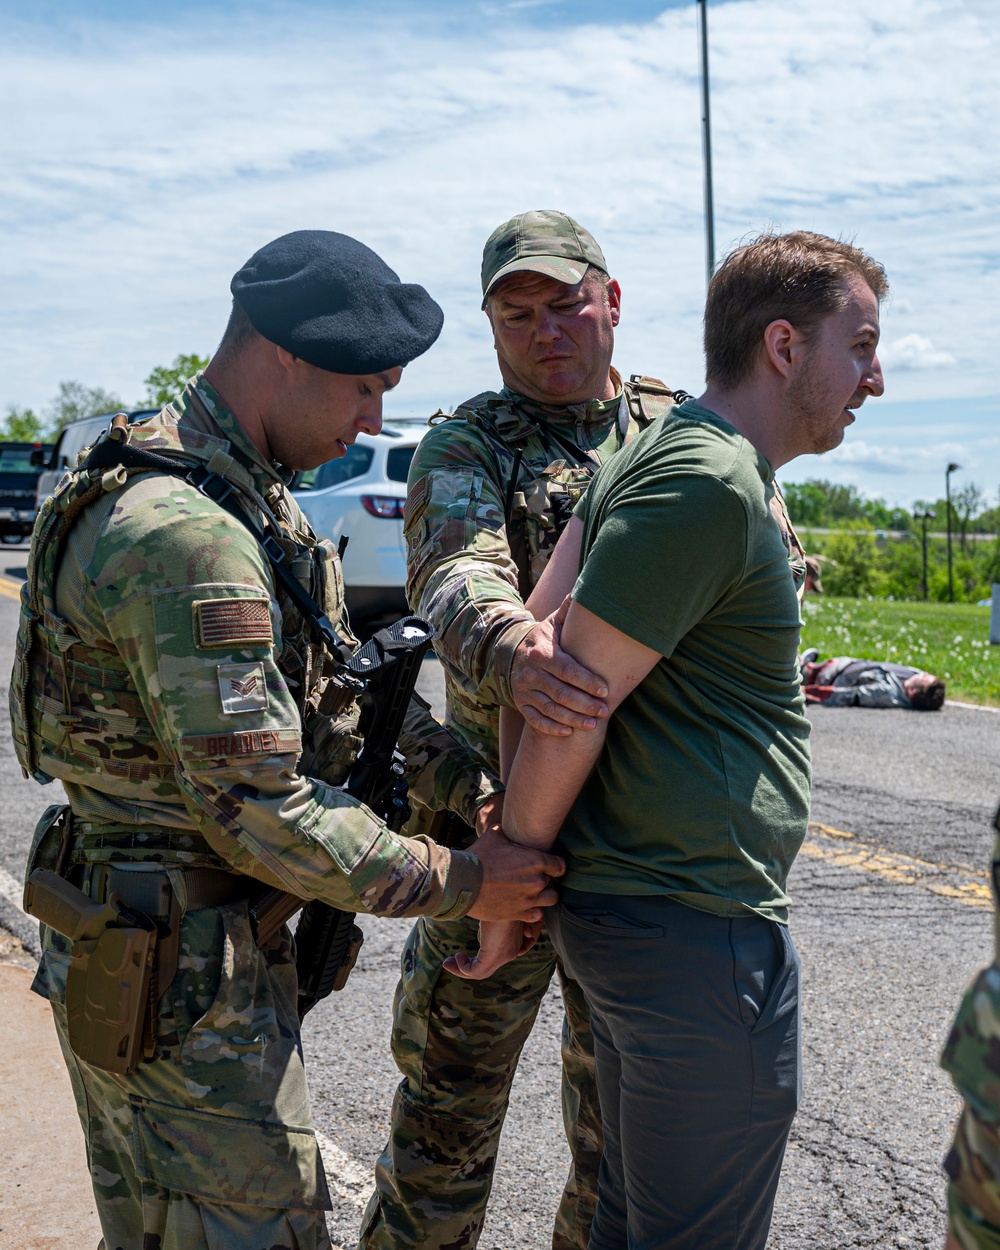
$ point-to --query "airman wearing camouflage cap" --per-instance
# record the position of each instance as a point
(173, 684)
(544, 242)
(490, 490)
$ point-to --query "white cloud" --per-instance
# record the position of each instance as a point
(896, 457)
(147, 164)
(914, 351)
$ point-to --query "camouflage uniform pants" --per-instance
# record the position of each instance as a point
(209, 1146)
(457, 1044)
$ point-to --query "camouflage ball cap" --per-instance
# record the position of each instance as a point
(543, 241)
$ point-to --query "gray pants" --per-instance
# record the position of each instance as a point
(696, 1030)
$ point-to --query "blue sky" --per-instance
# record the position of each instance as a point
(148, 149)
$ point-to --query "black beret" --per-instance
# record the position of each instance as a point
(331, 301)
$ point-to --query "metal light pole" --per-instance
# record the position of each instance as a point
(706, 142)
(924, 515)
(947, 494)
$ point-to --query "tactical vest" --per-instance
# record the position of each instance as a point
(61, 687)
(537, 509)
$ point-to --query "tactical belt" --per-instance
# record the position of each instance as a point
(124, 926)
(146, 889)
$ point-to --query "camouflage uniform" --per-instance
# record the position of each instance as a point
(972, 1057)
(794, 548)
(457, 1042)
(166, 682)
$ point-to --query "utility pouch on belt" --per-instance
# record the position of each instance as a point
(107, 983)
(50, 843)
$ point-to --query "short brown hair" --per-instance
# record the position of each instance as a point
(798, 277)
(239, 332)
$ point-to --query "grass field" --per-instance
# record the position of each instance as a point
(951, 640)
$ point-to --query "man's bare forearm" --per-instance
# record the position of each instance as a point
(547, 775)
(548, 772)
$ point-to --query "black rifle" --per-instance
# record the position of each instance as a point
(327, 940)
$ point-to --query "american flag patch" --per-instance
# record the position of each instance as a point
(242, 688)
(232, 623)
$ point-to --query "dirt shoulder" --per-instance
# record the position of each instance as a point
(46, 1202)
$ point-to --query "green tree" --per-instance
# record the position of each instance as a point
(988, 521)
(76, 401)
(21, 425)
(817, 503)
(852, 565)
(966, 503)
(900, 564)
(991, 562)
(167, 381)
(806, 502)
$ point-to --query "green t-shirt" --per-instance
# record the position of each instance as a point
(702, 789)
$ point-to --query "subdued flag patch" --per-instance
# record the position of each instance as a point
(242, 688)
(233, 623)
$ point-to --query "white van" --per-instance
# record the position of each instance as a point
(71, 441)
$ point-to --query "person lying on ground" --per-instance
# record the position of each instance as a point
(846, 682)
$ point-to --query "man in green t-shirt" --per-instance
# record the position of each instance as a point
(680, 817)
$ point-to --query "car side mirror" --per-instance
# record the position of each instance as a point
(39, 458)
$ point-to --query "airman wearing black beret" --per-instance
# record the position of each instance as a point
(334, 303)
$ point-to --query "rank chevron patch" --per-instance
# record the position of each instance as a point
(242, 688)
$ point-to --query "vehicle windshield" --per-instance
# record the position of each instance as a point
(335, 472)
(17, 462)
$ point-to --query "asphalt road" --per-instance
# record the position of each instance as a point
(891, 917)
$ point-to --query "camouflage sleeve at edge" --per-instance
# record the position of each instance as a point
(461, 576)
(971, 1057)
(225, 714)
(442, 775)
(970, 1231)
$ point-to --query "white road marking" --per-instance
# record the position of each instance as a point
(347, 1178)
(13, 891)
(975, 707)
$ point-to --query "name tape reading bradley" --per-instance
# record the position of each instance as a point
(241, 742)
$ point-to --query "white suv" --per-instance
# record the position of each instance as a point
(360, 497)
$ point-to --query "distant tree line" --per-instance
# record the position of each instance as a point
(872, 549)
(74, 400)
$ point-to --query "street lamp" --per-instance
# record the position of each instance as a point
(947, 494)
(924, 515)
(706, 143)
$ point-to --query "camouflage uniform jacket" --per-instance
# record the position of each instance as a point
(165, 682)
(972, 1059)
(794, 548)
(469, 572)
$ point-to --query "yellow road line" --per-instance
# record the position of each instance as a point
(11, 590)
(835, 846)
